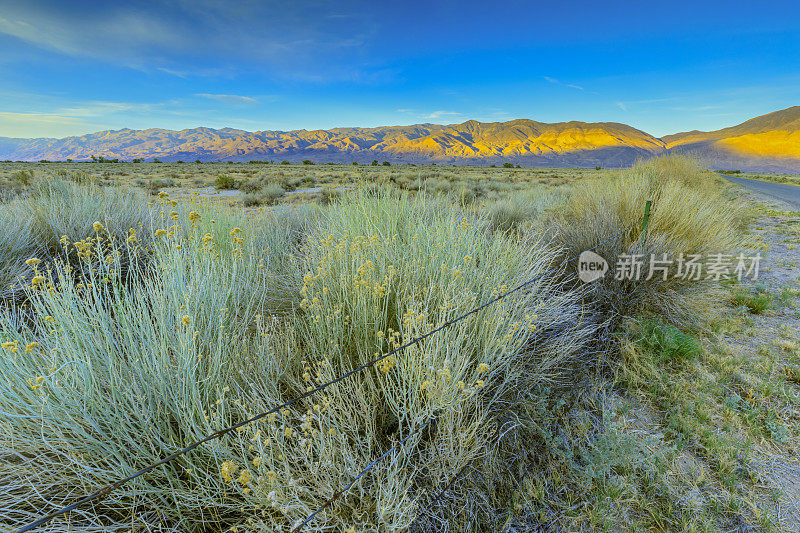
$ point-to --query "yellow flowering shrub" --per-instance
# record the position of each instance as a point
(233, 314)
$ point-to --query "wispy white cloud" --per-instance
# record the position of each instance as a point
(229, 98)
(39, 117)
(36, 115)
(102, 108)
(425, 115)
(563, 84)
(699, 108)
(622, 106)
(428, 115)
(439, 114)
(195, 38)
(486, 114)
(33, 124)
(127, 36)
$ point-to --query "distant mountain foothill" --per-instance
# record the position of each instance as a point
(769, 143)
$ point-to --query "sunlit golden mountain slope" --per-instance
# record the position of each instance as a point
(771, 139)
(769, 142)
(516, 141)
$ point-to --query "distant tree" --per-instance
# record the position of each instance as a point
(598, 168)
(355, 163)
(198, 161)
(519, 166)
(179, 162)
(69, 160)
(307, 162)
(508, 165)
(284, 162)
(156, 160)
(492, 166)
(374, 162)
(138, 160)
(103, 159)
(386, 164)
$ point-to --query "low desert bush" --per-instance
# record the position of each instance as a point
(226, 181)
(21, 178)
(55, 214)
(154, 186)
(684, 169)
(251, 186)
(518, 212)
(686, 220)
(236, 314)
(267, 194)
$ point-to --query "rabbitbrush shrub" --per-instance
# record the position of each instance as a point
(53, 215)
(234, 314)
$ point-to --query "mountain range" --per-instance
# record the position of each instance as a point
(770, 142)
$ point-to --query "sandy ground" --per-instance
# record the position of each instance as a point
(777, 236)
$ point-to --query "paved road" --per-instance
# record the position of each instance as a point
(787, 193)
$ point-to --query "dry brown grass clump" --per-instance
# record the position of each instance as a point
(690, 216)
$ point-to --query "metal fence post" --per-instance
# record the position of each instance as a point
(646, 218)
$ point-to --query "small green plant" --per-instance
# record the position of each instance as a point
(787, 297)
(666, 342)
(755, 302)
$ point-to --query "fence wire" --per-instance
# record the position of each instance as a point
(108, 489)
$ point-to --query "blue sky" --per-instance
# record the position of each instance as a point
(69, 68)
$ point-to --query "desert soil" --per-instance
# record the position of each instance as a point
(776, 235)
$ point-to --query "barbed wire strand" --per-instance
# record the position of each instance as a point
(460, 471)
(339, 492)
(496, 430)
(105, 491)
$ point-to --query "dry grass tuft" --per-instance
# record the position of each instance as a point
(689, 216)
